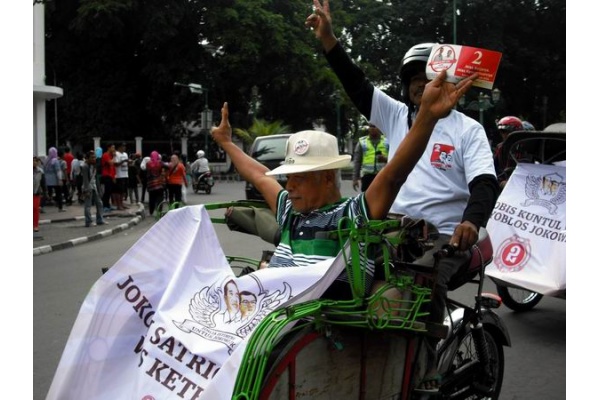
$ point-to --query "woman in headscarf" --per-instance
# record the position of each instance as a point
(53, 177)
(155, 175)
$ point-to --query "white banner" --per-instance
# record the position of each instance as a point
(170, 320)
(528, 229)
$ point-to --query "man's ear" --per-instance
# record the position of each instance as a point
(330, 176)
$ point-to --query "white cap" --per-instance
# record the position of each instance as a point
(311, 151)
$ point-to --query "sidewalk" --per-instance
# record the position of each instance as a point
(60, 230)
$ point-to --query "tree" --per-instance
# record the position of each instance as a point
(260, 127)
(117, 60)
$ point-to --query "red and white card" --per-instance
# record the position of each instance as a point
(462, 61)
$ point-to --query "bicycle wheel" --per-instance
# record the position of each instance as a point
(462, 385)
(162, 208)
(347, 363)
(518, 299)
(175, 205)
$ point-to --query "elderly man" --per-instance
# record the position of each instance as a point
(312, 202)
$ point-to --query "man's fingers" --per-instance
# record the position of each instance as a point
(321, 10)
(225, 112)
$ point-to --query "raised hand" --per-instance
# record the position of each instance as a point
(222, 133)
(320, 22)
(439, 96)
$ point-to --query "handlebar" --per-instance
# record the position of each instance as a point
(447, 250)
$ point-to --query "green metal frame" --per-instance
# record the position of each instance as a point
(172, 206)
(366, 311)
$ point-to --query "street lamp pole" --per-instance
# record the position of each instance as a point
(206, 116)
(338, 129)
(454, 21)
(484, 104)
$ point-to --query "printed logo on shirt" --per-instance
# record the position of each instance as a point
(441, 157)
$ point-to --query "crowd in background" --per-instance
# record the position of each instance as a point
(112, 181)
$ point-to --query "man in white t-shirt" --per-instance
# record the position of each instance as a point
(454, 184)
(121, 161)
(200, 165)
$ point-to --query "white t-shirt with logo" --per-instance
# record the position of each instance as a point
(123, 169)
(458, 151)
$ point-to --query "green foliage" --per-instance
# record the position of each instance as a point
(117, 60)
(261, 127)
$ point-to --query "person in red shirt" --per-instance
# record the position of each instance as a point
(109, 176)
(176, 178)
(69, 186)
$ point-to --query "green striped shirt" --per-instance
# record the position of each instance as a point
(303, 236)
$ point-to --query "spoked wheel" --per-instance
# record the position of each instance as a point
(464, 355)
(518, 299)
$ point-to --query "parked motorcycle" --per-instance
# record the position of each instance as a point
(204, 182)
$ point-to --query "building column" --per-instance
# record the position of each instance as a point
(184, 145)
(138, 144)
(96, 142)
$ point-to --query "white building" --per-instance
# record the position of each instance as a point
(41, 92)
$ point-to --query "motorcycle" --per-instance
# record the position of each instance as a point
(526, 269)
(204, 182)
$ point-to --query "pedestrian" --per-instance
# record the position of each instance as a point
(69, 186)
(109, 177)
(66, 182)
(144, 177)
(76, 179)
(176, 179)
(121, 161)
(90, 191)
(53, 177)
(156, 181)
(134, 178)
(370, 155)
(39, 190)
(99, 183)
(453, 186)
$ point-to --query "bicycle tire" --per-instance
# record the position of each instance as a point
(175, 205)
(162, 208)
(517, 299)
(464, 353)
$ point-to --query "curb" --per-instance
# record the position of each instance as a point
(140, 215)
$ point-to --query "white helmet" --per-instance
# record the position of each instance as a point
(200, 153)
